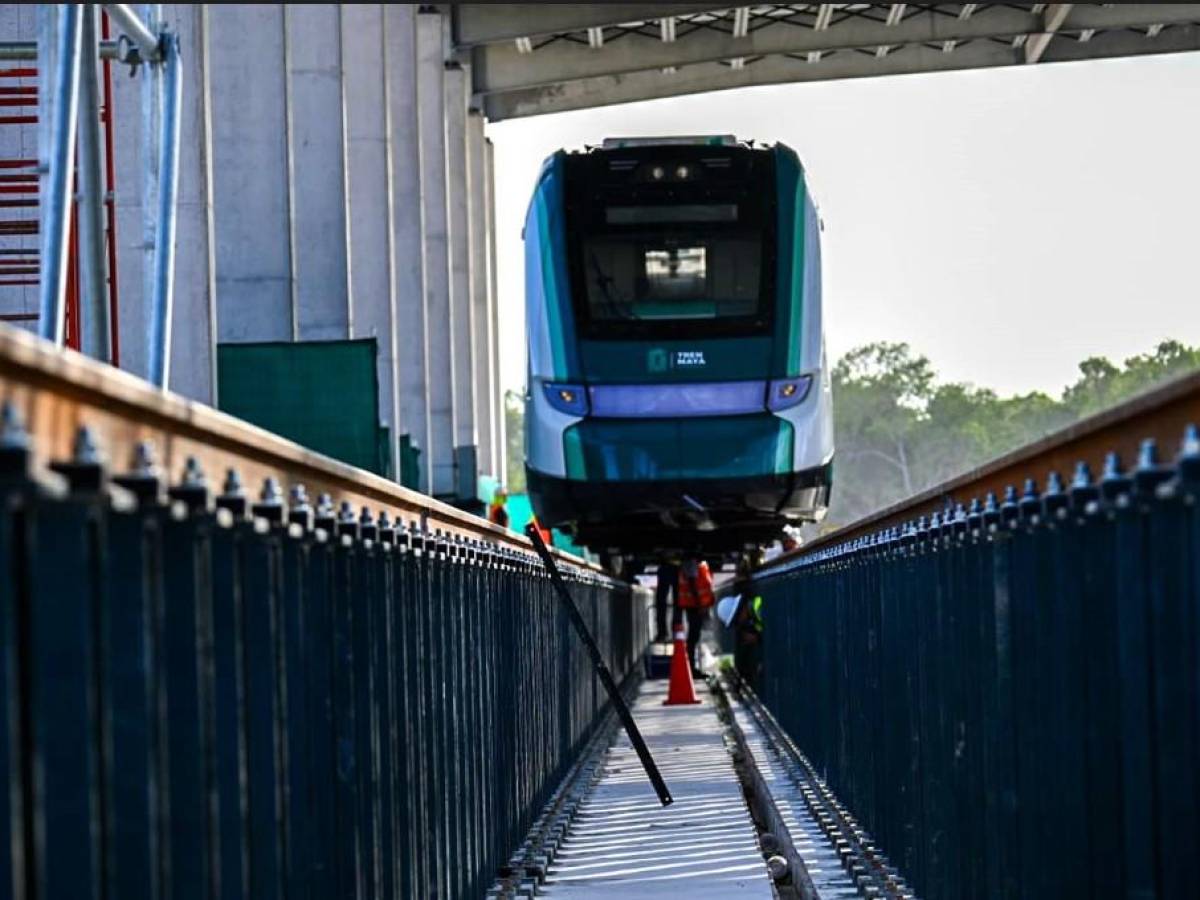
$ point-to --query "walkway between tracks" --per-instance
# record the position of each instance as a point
(624, 844)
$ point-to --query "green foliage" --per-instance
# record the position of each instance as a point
(514, 438)
(899, 432)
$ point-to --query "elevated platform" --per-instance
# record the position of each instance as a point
(623, 844)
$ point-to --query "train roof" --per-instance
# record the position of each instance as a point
(696, 140)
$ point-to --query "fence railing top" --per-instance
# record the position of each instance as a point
(1161, 414)
(57, 391)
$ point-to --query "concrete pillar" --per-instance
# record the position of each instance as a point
(438, 458)
(317, 172)
(500, 434)
(369, 191)
(193, 325)
(458, 192)
(407, 233)
(481, 340)
(250, 172)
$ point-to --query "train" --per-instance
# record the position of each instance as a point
(678, 393)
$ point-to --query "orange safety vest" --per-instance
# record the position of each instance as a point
(696, 591)
(547, 537)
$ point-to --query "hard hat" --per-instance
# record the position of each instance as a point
(727, 608)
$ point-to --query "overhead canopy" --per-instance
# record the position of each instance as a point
(531, 58)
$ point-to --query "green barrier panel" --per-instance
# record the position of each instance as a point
(321, 394)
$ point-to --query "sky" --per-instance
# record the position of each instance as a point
(1007, 223)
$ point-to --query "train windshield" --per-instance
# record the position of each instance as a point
(681, 272)
(664, 245)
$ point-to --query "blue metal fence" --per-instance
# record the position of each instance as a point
(1008, 696)
(267, 699)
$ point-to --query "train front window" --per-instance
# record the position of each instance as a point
(656, 276)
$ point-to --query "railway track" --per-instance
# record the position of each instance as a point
(830, 855)
(752, 816)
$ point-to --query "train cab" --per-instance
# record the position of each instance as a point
(678, 392)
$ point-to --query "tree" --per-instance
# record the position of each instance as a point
(514, 441)
(881, 391)
(899, 432)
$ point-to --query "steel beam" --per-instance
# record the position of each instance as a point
(1053, 18)
(911, 59)
(488, 23)
(500, 68)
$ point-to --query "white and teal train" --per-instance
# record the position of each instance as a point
(678, 390)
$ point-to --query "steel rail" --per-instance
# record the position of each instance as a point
(27, 50)
(1161, 413)
(57, 392)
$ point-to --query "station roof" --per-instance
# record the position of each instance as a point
(532, 58)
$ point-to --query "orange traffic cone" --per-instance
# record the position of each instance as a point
(681, 689)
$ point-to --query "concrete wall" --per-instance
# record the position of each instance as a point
(332, 185)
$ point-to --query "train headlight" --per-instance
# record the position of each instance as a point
(567, 398)
(683, 173)
(785, 393)
(657, 173)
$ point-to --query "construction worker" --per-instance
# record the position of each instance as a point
(668, 582)
(747, 640)
(694, 598)
(497, 514)
(547, 537)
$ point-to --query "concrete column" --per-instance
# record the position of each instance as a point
(438, 458)
(317, 184)
(250, 172)
(458, 192)
(369, 190)
(407, 233)
(500, 433)
(481, 340)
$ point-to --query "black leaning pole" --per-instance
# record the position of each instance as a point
(606, 679)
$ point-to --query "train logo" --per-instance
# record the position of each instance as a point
(656, 360)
